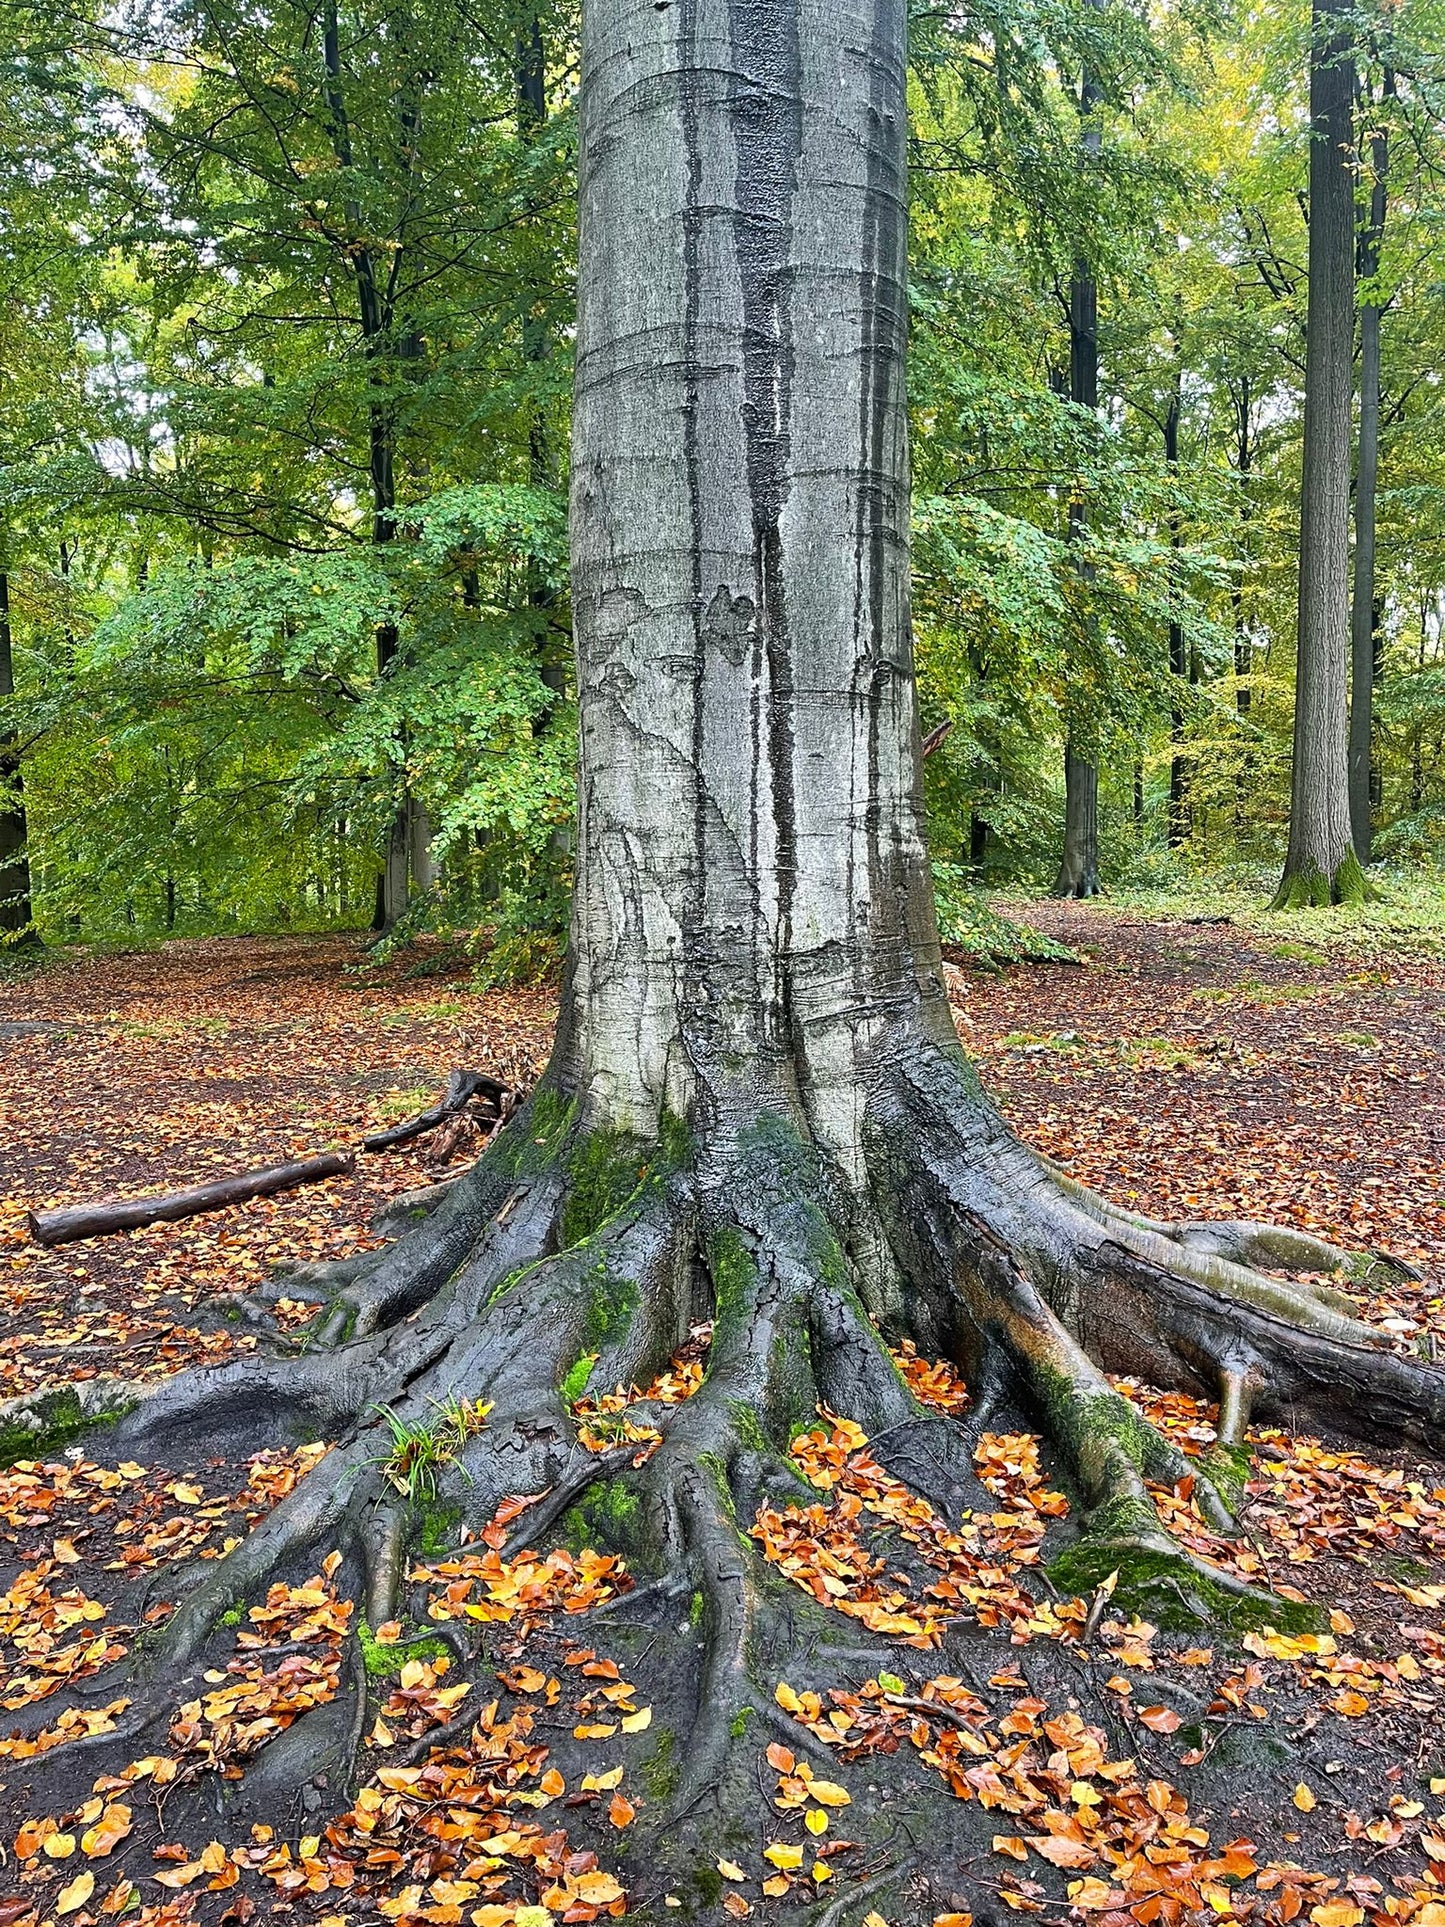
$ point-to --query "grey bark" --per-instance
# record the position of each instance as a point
(752, 882)
(1244, 469)
(1320, 864)
(1079, 867)
(1364, 607)
(1178, 826)
(15, 904)
(755, 1051)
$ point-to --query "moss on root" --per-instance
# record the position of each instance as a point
(734, 1274)
(385, 1662)
(575, 1383)
(51, 1423)
(607, 1170)
(660, 1770)
(539, 1138)
(1165, 1584)
(1228, 1467)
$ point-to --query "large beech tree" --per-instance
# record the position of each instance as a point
(757, 1110)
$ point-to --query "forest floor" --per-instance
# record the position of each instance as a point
(1124, 1773)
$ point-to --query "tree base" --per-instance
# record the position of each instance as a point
(452, 1369)
(1311, 888)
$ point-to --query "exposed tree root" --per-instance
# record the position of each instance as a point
(565, 1257)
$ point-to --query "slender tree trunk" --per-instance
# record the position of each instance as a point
(375, 291)
(1079, 868)
(1321, 865)
(1364, 608)
(1178, 661)
(1244, 469)
(16, 913)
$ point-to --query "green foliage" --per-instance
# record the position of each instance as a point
(967, 922)
(284, 389)
(420, 1451)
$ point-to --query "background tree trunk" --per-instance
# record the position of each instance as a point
(1364, 608)
(1178, 661)
(15, 905)
(1321, 866)
(1079, 868)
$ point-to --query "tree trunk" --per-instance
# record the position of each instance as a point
(1364, 608)
(1321, 865)
(756, 1112)
(16, 913)
(1079, 869)
(1178, 831)
(375, 295)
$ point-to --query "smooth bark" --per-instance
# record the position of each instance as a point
(1365, 607)
(1079, 868)
(752, 878)
(756, 1114)
(386, 344)
(1244, 470)
(1320, 865)
(1178, 826)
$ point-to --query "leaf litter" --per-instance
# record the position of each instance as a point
(1088, 1780)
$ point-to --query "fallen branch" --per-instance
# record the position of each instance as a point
(131, 1214)
(462, 1087)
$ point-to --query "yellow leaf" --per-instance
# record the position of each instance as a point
(815, 1820)
(179, 1876)
(1337, 1913)
(730, 1870)
(1304, 1799)
(598, 1889)
(821, 1872)
(786, 1697)
(829, 1794)
(76, 1894)
(60, 1846)
(783, 1856)
(776, 1885)
(637, 1722)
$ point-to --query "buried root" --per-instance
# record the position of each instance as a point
(449, 1368)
